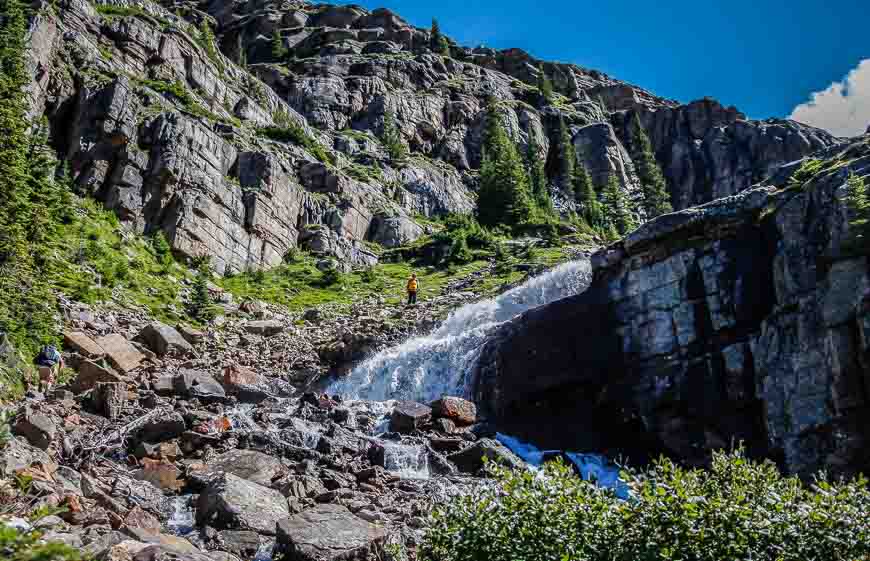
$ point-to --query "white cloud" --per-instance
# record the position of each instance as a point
(843, 108)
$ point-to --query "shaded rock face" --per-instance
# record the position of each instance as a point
(232, 502)
(741, 320)
(329, 532)
(195, 165)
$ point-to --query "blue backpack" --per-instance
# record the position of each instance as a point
(48, 356)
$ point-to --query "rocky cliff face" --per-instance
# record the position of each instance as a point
(745, 319)
(165, 126)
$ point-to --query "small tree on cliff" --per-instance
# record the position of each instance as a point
(545, 85)
(504, 196)
(392, 138)
(567, 158)
(586, 197)
(656, 199)
(538, 178)
(200, 306)
(437, 41)
(279, 49)
(617, 207)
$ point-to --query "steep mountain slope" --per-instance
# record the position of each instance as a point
(164, 121)
(741, 320)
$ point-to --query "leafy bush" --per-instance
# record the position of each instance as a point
(456, 242)
(738, 510)
(26, 546)
(331, 277)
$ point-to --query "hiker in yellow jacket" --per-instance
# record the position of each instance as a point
(413, 285)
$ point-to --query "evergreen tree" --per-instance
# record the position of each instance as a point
(200, 306)
(585, 196)
(545, 85)
(437, 41)
(656, 199)
(617, 207)
(538, 178)
(567, 158)
(504, 196)
(392, 138)
(279, 50)
(858, 205)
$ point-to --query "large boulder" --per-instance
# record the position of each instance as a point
(165, 340)
(81, 343)
(471, 459)
(197, 384)
(329, 532)
(248, 464)
(234, 503)
(163, 428)
(266, 327)
(461, 411)
(408, 416)
(17, 455)
(37, 428)
(123, 355)
(90, 374)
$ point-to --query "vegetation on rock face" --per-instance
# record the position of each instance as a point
(567, 158)
(437, 41)
(858, 205)
(392, 138)
(538, 178)
(504, 196)
(656, 199)
(288, 130)
(738, 509)
(545, 85)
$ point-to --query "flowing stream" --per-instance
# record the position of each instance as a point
(426, 368)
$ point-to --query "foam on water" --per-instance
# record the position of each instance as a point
(426, 368)
(182, 520)
(408, 462)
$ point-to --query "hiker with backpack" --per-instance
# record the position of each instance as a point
(49, 361)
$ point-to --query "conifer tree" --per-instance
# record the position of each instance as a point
(545, 85)
(567, 158)
(858, 205)
(504, 196)
(538, 178)
(656, 199)
(279, 50)
(437, 41)
(586, 197)
(392, 138)
(616, 207)
(200, 306)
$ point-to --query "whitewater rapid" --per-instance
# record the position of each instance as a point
(425, 368)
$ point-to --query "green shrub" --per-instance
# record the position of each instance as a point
(331, 277)
(369, 275)
(737, 510)
(27, 546)
(457, 241)
(200, 306)
(289, 131)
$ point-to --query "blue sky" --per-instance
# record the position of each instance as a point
(764, 56)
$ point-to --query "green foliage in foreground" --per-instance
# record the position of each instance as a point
(738, 510)
(18, 546)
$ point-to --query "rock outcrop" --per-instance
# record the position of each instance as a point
(239, 153)
(743, 320)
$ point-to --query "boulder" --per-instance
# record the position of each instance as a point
(408, 416)
(461, 411)
(329, 532)
(139, 523)
(233, 503)
(37, 428)
(109, 398)
(81, 343)
(90, 374)
(120, 352)
(266, 327)
(243, 543)
(191, 335)
(247, 464)
(197, 384)
(17, 455)
(163, 428)
(470, 460)
(165, 340)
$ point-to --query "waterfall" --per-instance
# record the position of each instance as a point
(426, 368)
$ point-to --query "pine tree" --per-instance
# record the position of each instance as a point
(545, 85)
(538, 178)
(616, 207)
(567, 158)
(858, 205)
(200, 306)
(279, 50)
(392, 138)
(437, 41)
(656, 199)
(504, 196)
(585, 196)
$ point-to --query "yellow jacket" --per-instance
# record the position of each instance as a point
(412, 284)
